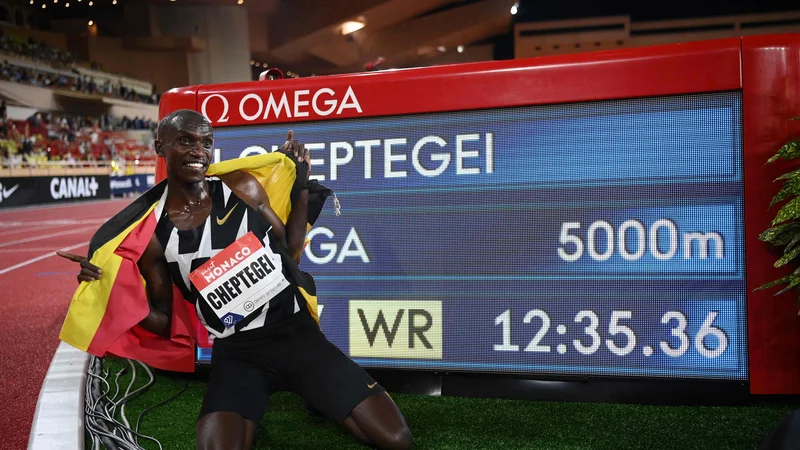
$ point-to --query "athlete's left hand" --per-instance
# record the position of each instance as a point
(294, 147)
(298, 150)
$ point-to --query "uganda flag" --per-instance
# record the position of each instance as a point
(103, 316)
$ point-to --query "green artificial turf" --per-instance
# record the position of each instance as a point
(463, 423)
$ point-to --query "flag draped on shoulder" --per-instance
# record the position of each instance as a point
(103, 316)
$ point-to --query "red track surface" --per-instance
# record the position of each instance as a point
(35, 298)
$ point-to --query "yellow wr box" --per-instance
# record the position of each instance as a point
(395, 329)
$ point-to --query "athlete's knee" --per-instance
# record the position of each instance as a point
(402, 439)
(399, 439)
(381, 422)
(222, 431)
(213, 441)
(209, 440)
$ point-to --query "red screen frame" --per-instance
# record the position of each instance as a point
(766, 69)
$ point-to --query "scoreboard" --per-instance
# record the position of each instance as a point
(600, 232)
(522, 240)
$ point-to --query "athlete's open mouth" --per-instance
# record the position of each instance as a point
(194, 165)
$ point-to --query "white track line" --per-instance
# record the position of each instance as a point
(35, 249)
(46, 236)
(62, 205)
(24, 229)
(41, 257)
(22, 223)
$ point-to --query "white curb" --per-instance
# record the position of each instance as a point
(58, 422)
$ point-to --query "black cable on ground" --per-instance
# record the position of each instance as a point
(161, 403)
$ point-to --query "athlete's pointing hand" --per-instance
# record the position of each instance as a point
(89, 272)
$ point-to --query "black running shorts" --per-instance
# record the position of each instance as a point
(293, 355)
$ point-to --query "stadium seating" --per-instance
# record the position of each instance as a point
(35, 63)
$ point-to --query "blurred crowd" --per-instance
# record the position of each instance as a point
(64, 74)
(73, 140)
(36, 51)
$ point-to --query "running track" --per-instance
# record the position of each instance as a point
(36, 287)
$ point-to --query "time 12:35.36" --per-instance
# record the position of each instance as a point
(616, 335)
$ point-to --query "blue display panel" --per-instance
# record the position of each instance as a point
(602, 238)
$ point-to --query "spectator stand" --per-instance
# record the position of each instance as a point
(51, 141)
(27, 61)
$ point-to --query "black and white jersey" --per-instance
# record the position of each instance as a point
(186, 250)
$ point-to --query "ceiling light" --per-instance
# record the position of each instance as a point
(91, 22)
(240, 2)
(441, 48)
(252, 63)
(91, 3)
(351, 26)
(55, 1)
(460, 49)
(67, 5)
(258, 64)
(44, 6)
(114, 2)
(31, 2)
(514, 9)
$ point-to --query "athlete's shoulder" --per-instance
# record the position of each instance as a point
(245, 186)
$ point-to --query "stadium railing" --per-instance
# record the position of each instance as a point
(49, 168)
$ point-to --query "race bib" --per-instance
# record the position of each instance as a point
(240, 279)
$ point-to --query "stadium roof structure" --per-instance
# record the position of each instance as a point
(343, 36)
(319, 36)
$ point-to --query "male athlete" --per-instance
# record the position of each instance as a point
(278, 343)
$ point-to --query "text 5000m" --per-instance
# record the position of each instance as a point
(632, 241)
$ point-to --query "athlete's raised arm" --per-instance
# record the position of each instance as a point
(246, 187)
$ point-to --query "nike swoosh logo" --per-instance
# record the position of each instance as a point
(225, 219)
(7, 192)
(372, 385)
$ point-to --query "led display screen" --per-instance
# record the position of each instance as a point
(601, 238)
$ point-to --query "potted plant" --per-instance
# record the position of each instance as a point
(785, 227)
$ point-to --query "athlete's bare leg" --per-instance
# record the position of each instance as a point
(377, 421)
(225, 431)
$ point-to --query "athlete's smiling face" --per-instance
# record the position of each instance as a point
(185, 140)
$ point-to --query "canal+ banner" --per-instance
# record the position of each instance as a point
(25, 191)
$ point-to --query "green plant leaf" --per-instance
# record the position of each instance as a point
(792, 174)
(790, 187)
(787, 256)
(780, 235)
(789, 151)
(785, 279)
(776, 282)
(795, 281)
(788, 211)
(791, 245)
